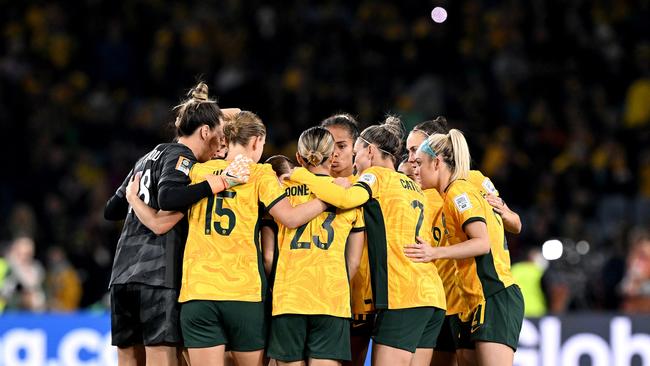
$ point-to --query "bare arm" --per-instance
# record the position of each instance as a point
(159, 222)
(353, 251)
(477, 244)
(292, 217)
(511, 220)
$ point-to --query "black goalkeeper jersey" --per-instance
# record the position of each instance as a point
(142, 256)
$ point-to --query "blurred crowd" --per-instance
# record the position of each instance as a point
(553, 96)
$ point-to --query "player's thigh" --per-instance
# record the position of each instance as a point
(494, 354)
(213, 356)
(131, 356)
(161, 355)
(383, 355)
(250, 358)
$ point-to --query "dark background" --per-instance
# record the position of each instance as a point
(553, 96)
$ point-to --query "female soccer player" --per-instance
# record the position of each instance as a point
(345, 130)
(475, 232)
(447, 345)
(409, 298)
(224, 284)
(146, 274)
(311, 292)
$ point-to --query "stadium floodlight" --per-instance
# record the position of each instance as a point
(439, 14)
(582, 247)
(552, 249)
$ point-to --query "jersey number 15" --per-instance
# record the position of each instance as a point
(220, 211)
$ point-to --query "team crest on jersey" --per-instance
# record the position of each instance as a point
(462, 202)
(183, 165)
(489, 186)
(368, 179)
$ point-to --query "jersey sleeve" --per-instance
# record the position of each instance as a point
(483, 183)
(174, 190)
(467, 206)
(368, 180)
(331, 193)
(117, 206)
(270, 190)
(359, 223)
(175, 169)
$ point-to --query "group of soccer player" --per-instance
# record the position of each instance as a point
(236, 261)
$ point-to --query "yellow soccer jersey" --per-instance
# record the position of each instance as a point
(311, 275)
(223, 258)
(394, 216)
(360, 284)
(481, 276)
(446, 267)
(483, 183)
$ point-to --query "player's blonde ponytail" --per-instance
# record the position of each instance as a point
(460, 152)
(315, 145)
(452, 149)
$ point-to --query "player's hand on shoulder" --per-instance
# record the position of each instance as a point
(236, 173)
(497, 203)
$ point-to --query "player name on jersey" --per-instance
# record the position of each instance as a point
(301, 190)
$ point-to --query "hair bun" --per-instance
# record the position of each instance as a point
(200, 92)
(314, 158)
(394, 125)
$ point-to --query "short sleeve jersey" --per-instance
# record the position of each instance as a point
(483, 183)
(142, 256)
(394, 216)
(223, 256)
(481, 276)
(311, 274)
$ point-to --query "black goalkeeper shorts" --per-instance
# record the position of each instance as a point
(145, 315)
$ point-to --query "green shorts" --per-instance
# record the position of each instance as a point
(240, 325)
(296, 337)
(408, 329)
(445, 342)
(500, 320)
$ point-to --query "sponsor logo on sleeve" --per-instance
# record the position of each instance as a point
(489, 186)
(462, 202)
(183, 165)
(368, 179)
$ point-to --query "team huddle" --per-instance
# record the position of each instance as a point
(237, 261)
